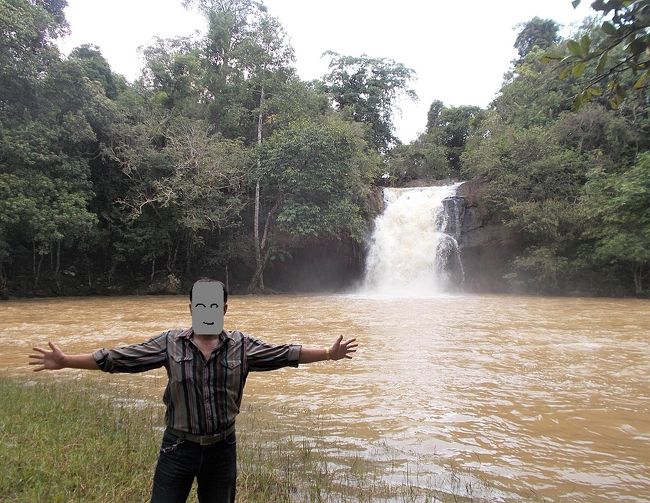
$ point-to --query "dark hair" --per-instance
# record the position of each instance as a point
(210, 280)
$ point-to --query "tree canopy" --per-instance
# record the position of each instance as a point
(220, 158)
(368, 88)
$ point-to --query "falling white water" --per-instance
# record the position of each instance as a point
(414, 248)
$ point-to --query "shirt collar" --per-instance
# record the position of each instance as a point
(188, 334)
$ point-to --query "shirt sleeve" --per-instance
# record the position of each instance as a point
(262, 356)
(148, 355)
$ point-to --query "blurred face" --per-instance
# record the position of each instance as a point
(207, 308)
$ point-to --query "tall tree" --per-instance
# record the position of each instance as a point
(245, 65)
(46, 130)
(27, 30)
(173, 72)
(97, 68)
(318, 174)
(452, 128)
(270, 57)
(541, 33)
(425, 158)
(368, 88)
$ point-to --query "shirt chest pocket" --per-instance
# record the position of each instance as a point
(182, 367)
(232, 376)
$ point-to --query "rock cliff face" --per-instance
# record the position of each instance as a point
(487, 248)
(322, 264)
(317, 265)
(330, 264)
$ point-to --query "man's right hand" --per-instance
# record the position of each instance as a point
(48, 360)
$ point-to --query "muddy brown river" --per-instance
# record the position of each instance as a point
(540, 397)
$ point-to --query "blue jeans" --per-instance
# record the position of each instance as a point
(214, 466)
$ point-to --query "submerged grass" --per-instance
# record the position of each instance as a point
(63, 442)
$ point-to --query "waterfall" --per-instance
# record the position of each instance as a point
(414, 247)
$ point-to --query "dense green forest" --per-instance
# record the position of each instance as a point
(220, 160)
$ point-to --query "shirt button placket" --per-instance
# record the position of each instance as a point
(206, 395)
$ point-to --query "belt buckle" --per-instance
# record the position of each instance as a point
(205, 440)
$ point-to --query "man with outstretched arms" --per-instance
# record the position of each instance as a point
(207, 368)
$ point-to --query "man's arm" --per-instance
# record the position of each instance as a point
(148, 355)
(338, 351)
(57, 359)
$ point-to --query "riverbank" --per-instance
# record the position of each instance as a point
(70, 442)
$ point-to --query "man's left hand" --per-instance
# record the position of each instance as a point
(341, 349)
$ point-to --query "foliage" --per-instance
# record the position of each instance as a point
(172, 69)
(46, 128)
(538, 156)
(319, 172)
(621, 48)
(96, 68)
(537, 32)
(532, 95)
(533, 186)
(436, 153)
(452, 127)
(596, 129)
(154, 178)
(27, 29)
(425, 158)
(368, 88)
(107, 184)
(619, 209)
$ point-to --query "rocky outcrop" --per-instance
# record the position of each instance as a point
(454, 208)
(321, 264)
(487, 248)
(315, 265)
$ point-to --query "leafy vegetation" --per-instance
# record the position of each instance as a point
(571, 184)
(220, 159)
(102, 180)
(367, 88)
(621, 47)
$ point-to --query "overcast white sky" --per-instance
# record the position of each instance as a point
(459, 50)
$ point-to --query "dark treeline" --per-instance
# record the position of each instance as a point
(219, 157)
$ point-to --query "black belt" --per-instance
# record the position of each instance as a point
(203, 439)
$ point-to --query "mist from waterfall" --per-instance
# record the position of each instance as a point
(414, 246)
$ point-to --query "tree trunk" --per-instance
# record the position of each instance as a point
(58, 257)
(111, 272)
(36, 267)
(153, 269)
(38, 270)
(638, 278)
(257, 281)
(34, 262)
(265, 251)
(188, 262)
(171, 257)
(57, 276)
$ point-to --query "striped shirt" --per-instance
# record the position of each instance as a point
(202, 397)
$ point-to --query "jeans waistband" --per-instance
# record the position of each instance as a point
(203, 439)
